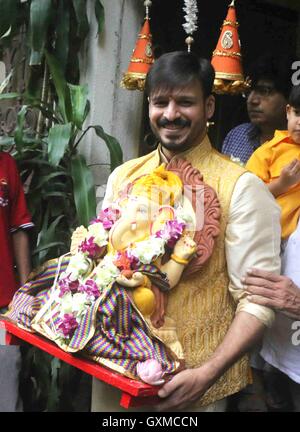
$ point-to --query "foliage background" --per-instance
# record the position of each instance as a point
(61, 192)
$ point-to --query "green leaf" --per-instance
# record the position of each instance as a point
(40, 14)
(60, 85)
(54, 393)
(81, 17)
(34, 84)
(34, 205)
(47, 236)
(19, 131)
(99, 12)
(83, 190)
(55, 194)
(79, 101)
(47, 246)
(58, 140)
(6, 141)
(8, 15)
(41, 363)
(6, 96)
(47, 178)
(6, 80)
(38, 162)
(62, 34)
(113, 145)
(35, 58)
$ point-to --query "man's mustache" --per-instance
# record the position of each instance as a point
(163, 122)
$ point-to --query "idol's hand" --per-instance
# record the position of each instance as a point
(185, 247)
(136, 280)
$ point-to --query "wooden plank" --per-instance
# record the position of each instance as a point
(133, 391)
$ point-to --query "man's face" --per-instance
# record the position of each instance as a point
(178, 117)
(266, 106)
(293, 117)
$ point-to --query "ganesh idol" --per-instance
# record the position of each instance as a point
(107, 298)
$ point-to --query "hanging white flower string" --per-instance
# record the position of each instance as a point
(190, 25)
(147, 4)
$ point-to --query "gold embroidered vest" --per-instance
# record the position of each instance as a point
(201, 304)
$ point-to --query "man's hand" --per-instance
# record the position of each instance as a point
(277, 292)
(191, 384)
(185, 388)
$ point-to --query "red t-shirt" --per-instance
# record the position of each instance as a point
(13, 215)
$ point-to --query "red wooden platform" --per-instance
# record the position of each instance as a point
(133, 393)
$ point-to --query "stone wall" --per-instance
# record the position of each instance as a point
(117, 110)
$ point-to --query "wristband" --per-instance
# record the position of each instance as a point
(179, 260)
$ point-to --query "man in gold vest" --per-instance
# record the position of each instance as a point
(217, 325)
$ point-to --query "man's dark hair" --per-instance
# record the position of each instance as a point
(277, 69)
(178, 69)
(294, 97)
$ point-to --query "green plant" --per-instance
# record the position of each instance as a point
(61, 192)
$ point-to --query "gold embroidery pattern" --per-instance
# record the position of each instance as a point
(227, 54)
(230, 23)
(142, 60)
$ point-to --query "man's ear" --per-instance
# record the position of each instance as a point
(210, 106)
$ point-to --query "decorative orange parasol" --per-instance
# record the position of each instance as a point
(227, 58)
(142, 57)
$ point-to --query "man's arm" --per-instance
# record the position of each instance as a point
(22, 254)
(271, 290)
(189, 385)
(252, 240)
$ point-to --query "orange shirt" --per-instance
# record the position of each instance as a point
(267, 163)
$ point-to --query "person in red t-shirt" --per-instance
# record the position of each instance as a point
(14, 250)
(14, 220)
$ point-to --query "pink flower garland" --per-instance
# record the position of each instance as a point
(171, 232)
(91, 248)
(67, 325)
(107, 217)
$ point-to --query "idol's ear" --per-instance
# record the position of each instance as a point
(164, 214)
(123, 202)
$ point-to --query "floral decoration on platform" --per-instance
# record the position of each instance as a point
(93, 268)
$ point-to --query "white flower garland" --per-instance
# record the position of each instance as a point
(81, 283)
(190, 26)
(191, 10)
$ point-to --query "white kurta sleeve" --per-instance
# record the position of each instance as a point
(252, 239)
